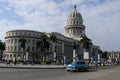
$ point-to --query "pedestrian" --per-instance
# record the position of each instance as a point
(7, 62)
(14, 60)
(95, 64)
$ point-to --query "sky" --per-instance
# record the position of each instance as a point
(101, 18)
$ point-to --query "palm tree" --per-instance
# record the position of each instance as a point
(22, 45)
(53, 38)
(85, 42)
(40, 48)
(43, 45)
(2, 48)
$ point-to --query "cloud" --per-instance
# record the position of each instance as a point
(101, 18)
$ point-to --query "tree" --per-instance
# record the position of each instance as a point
(43, 45)
(100, 52)
(2, 48)
(54, 40)
(104, 55)
(85, 42)
(2, 45)
(22, 45)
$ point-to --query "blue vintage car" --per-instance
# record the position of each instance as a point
(77, 66)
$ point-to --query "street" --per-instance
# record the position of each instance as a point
(59, 74)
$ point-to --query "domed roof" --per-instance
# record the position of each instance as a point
(74, 14)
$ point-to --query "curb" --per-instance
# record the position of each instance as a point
(23, 67)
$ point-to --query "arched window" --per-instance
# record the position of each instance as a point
(76, 15)
(73, 22)
(77, 22)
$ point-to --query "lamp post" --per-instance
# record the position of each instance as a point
(64, 60)
(55, 54)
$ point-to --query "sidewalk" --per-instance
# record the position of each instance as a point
(29, 66)
(38, 66)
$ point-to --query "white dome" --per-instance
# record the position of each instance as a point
(74, 27)
(75, 15)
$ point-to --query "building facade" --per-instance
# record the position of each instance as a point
(114, 56)
(64, 45)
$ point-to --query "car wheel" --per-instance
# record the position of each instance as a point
(86, 69)
(68, 70)
(76, 70)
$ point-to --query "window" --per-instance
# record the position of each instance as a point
(11, 41)
(12, 33)
(33, 48)
(15, 40)
(14, 55)
(33, 34)
(77, 22)
(7, 55)
(19, 48)
(11, 48)
(33, 41)
(76, 15)
(73, 22)
(10, 55)
(15, 48)
(8, 41)
(24, 33)
(29, 33)
(28, 41)
(19, 55)
(8, 48)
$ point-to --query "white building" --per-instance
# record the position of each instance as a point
(64, 46)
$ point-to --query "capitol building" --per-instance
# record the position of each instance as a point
(64, 45)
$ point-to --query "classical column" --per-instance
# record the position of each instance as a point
(63, 47)
(70, 31)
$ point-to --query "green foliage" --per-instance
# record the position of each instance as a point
(22, 42)
(74, 45)
(104, 55)
(32, 54)
(43, 45)
(44, 37)
(100, 52)
(2, 45)
(85, 42)
(46, 62)
(22, 45)
(52, 37)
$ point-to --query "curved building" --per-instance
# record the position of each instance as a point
(13, 48)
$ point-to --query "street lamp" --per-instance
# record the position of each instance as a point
(55, 54)
(64, 60)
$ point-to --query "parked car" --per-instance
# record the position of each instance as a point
(77, 66)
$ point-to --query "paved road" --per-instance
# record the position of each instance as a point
(57, 74)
